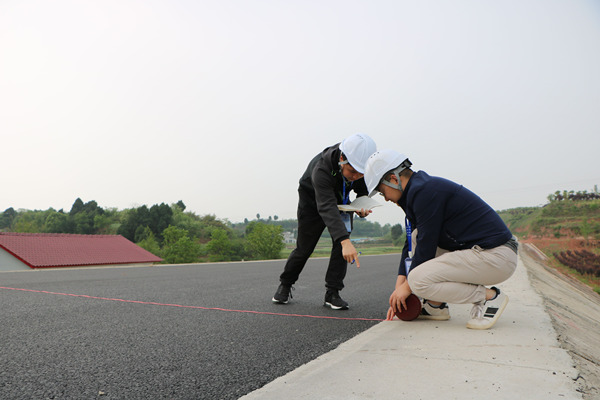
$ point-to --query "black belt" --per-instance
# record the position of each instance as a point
(513, 244)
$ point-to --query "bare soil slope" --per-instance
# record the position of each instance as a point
(575, 312)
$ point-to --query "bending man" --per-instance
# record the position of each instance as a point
(327, 182)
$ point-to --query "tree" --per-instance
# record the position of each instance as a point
(7, 218)
(364, 228)
(178, 247)
(58, 222)
(30, 221)
(102, 223)
(220, 246)
(585, 229)
(83, 223)
(149, 242)
(133, 219)
(264, 241)
(161, 217)
(180, 205)
(91, 207)
(141, 233)
(76, 207)
(397, 231)
(209, 223)
(82, 217)
(186, 220)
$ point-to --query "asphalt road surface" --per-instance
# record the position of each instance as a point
(169, 332)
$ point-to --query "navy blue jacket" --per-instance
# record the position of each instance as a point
(449, 216)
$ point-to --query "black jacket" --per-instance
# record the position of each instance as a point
(321, 190)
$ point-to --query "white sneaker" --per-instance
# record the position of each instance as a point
(484, 315)
(441, 313)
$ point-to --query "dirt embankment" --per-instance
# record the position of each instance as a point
(575, 312)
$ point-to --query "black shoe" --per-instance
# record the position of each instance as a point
(283, 294)
(333, 300)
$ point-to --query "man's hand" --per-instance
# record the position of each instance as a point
(363, 213)
(349, 252)
(390, 314)
(398, 298)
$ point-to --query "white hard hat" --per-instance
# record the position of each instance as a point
(380, 163)
(357, 149)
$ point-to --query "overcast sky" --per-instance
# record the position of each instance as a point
(222, 103)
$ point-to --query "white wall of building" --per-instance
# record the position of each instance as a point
(8, 262)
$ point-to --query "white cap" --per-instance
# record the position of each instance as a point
(380, 163)
(357, 149)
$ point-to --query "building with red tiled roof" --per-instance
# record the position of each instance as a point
(50, 250)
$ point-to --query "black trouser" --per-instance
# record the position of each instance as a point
(310, 228)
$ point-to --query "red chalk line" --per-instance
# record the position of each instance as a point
(152, 303)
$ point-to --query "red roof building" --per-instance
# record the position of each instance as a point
(48, 250)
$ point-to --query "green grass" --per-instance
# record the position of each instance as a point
(323, 248)
(556, 219)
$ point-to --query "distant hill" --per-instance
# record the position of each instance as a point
(557, 219)
(566, 231)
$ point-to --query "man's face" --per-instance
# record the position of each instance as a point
(389, 193)
(350, 173)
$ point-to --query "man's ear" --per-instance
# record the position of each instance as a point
(393, 179)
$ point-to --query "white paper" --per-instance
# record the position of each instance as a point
(359, 203)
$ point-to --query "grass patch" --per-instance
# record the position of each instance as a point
(374, 247)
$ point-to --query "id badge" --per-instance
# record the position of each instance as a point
(346, 218)
(407, 264)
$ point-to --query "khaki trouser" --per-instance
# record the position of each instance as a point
(460, 277)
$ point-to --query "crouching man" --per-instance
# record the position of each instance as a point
(474, 246)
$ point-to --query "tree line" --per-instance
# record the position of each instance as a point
(574, 196)
(171, 232)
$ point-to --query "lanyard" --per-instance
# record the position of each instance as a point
(345, 198)
(408, 260)
(408, 230)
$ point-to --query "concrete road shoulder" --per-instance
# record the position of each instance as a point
(520, 356)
